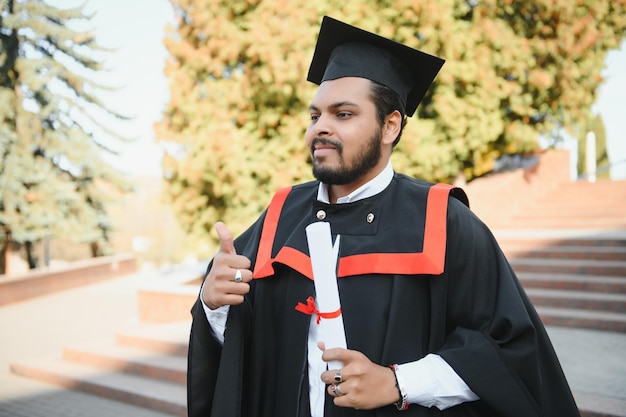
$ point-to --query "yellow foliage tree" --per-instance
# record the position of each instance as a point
(237, 72)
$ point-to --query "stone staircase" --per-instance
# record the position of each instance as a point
(573, 282)
(568, 248)
(145, 365)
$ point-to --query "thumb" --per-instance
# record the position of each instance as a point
(226, 239)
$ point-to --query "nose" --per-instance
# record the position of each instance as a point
(322, 126)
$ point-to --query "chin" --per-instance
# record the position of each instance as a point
(324, 166)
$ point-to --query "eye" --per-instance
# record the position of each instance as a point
(314, 117)
(344, 114)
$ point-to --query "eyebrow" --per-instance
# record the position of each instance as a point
(335, 106)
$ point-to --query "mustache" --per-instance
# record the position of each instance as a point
(325, 141)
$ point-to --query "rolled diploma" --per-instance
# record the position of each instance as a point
(324, 261)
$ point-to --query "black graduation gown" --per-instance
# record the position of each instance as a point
(425, 276)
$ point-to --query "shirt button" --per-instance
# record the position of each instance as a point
(370, 217)
(321, 215)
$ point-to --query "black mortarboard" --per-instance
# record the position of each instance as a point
(343, 50)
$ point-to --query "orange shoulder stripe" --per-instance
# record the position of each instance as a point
(263, 266)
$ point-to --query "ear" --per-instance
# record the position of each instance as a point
(391, 128)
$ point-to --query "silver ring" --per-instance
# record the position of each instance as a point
(238, 277)
(338, 376)
(336, 390)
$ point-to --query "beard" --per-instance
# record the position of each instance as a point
(366, 159)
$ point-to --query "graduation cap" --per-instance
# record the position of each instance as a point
(343, 50)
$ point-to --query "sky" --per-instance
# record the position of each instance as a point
(136, 29)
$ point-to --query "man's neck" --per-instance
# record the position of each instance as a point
(364, 189)
(336, 192)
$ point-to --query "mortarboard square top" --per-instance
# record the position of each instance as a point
(343, 50)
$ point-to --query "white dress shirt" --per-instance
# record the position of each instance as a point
(429, 381)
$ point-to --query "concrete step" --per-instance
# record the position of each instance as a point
(599, 406)
(163, 396)
(167, 338)
(555, 213)
(580, 300)
(593, 283)
(569, 266)
(567, 209)
(545, 239)
(605, 191)
(592, 200)
(144, 365)
(600, 253)
(116, 358)
(600, 223)
(572, 208)
(167, 303)
(584, 319)
(572, 197)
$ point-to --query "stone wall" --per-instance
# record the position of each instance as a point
(44, 281)
(497, 197)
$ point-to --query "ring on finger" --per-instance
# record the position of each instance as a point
(336, 390)
(238, 277)
(338, 376)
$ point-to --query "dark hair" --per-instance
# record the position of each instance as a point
(387, 101)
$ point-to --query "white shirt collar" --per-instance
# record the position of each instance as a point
(373, 187)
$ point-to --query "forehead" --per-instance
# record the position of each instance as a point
(343, 90)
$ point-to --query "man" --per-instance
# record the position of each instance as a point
(436, 322)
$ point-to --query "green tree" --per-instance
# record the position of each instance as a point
(53, 178)
(514, 70)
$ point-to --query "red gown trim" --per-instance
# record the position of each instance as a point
(430, 261)
(263, 267)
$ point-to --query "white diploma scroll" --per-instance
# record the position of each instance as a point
(324, 261)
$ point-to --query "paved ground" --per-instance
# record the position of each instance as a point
(594, 361)
(41, 327)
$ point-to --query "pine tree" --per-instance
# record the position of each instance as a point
(514, 69)
(53, 179)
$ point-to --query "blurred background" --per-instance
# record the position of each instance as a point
(128, 128)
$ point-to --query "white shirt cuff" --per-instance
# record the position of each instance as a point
(217, 318)
(431, 382)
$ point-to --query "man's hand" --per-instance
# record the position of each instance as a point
(364, 385)
(220, 287)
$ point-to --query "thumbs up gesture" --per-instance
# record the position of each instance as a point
(227, 281)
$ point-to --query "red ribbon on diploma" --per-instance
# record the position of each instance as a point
(309, 308)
